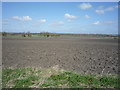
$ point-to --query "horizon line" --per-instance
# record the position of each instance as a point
(66, 33)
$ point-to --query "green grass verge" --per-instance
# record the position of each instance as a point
(46, 78)
(98, 37)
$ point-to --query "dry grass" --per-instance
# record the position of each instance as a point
(54, 77)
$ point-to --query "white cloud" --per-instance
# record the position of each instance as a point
(24, 18)
(87, 16)
(69, 20)
(42, 20)
(100, 7)
(4, 23)
(39, 22)
(16, 18)
(116, 6)
(102, 10)
(109, 9)
(85, 6)
(99, 11)
(97, 23)
(103, 23)
(68, 16)
(108, 22)
(60, 23)
(57, 23)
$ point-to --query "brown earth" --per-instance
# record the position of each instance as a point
(81, 55)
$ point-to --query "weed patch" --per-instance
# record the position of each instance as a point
(33, 77)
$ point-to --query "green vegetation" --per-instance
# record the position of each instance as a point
(47, 34)
(4, 34)
(53, 77)
(99, 37)
(23, 35)
(29, 34)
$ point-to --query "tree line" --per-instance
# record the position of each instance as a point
(28, 34)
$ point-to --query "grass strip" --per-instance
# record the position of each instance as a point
(46, 78)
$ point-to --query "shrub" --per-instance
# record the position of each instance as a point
(47, 34)
(4, 34)
(23, 35)
(29, 34)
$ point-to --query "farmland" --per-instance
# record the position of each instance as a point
(82, 55)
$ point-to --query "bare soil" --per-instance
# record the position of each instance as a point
(82, 55)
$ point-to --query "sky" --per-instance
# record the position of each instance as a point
(60, 17)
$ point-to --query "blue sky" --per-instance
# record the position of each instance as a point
(60, 17)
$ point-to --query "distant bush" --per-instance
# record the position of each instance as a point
(47, 34)
(4, 34)
(29, 34)
(23, 35)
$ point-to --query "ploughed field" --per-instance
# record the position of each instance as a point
(84, 55)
